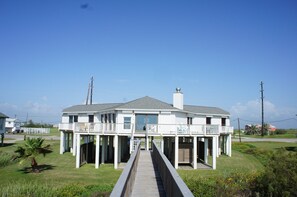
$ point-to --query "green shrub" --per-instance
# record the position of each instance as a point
(200, 186)
(262, 155)
(98, 190)
(72, 190)
(280, 175)
(280, 131)
(235, 184)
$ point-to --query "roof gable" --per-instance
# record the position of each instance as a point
(146, 103)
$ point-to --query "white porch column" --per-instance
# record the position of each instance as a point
(97, 151)
(195, 152)
(62, 142)
(116, 144)
(78, 150)
(176, 152)
(206, 150)
(214, 152)
(218, 145)
(103, 149)
(74, 146)
(228, 149)
(229, 145)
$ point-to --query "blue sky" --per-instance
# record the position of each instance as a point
(218, 52)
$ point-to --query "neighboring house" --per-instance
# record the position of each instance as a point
(187, 134)
(13, 125)
(2, 126)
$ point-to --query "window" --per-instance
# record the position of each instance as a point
(127, 122)
(189, 120)
(223, 122)
(91, 118)
(208, 120)
(70, 119)
(143, 119)
(75, 118)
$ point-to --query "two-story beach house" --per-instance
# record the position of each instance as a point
(187, 134)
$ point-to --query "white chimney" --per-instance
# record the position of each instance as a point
(178, 99)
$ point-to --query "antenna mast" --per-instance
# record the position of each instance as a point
(90, 92)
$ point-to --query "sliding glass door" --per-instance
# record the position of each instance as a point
(143, 119)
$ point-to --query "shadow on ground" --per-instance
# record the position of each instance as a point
(7, 144)
(291, 148)
(40, 168)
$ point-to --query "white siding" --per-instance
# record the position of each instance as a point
(166, 118)
(65, 119)
(83, 118)
(180, 118)
(199, 120)
(216, 120)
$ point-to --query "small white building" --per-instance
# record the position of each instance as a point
(2, 126)
(13, 125)
(187, 134)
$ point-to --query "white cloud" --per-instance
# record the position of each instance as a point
(37, 107)
(36, 111)
(251, 111)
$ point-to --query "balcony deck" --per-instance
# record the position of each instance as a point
(150, 129)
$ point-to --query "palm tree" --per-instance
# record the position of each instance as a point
(31, 149)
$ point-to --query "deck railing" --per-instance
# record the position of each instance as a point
(125, 183)
(172, 182)
(158, 129)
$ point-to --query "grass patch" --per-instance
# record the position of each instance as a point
(59, 172)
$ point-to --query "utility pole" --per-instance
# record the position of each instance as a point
(262, 104)
(239, 129)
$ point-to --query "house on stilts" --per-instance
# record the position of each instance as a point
(186, 134)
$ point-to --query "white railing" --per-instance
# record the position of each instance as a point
(66, 126)
(159, 129)
(36, 130)
(183, 129)
(226, 130)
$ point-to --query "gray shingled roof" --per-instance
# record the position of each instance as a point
(91, 108)
(205, 110)
(3, 115)
(146, 103)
